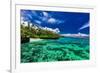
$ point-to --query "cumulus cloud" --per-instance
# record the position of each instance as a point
(56, 30)
(84, 26)
(52, 20)
(45, 14)
(33, 16)
(47, 18)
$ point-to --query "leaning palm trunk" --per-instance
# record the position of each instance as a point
(29, 25)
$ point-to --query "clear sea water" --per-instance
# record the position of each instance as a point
(51, 50)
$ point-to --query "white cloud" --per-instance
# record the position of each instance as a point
(84, 26)
(56, 30)
(48, 18)
(45, 14)
(55, 21)
(60, 21)
(29, 15)
(34, 13)
(52, 20)
(44, 18)
(37, 21)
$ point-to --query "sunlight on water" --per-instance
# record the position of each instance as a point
(62, 49)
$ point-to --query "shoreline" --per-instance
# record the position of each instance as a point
(34, 39)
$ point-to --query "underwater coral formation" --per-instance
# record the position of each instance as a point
(63, 49)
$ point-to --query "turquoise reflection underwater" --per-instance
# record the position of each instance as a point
(62, 49)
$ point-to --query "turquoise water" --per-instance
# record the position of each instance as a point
(62, 49)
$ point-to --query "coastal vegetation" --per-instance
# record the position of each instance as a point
(31, 32)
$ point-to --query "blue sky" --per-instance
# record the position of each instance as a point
(66, 22)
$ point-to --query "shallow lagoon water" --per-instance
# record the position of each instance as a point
(50, 50)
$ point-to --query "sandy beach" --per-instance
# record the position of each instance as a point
(35, 39)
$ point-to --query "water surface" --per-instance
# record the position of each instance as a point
(62, 49)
